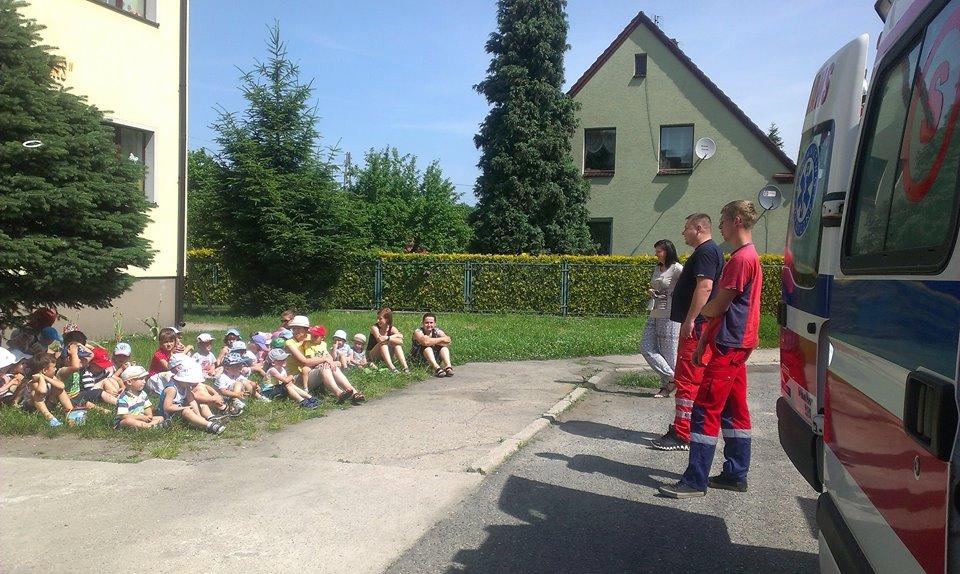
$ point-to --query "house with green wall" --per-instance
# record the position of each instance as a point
(643, 107)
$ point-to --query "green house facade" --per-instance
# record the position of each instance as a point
(643, 106)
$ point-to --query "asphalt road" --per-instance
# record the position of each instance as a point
(582, 497)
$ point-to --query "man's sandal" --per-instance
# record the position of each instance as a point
(345, 396)
(440, 373)
(449, 371)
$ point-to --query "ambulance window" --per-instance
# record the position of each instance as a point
(877, 169)
(924, 206)
(803, 241)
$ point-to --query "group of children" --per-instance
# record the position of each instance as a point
(194, 384)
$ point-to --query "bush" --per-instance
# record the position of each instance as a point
(595, 285)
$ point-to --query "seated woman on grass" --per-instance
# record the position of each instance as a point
(318, 370)
(384, 338)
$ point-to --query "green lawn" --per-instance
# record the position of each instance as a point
(476, 337)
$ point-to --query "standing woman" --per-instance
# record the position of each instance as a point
(384, 338)
(659, 343)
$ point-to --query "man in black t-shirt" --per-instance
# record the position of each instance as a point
(695, 286)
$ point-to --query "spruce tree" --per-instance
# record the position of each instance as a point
(286, 227)
(530, 196)
(71, 210)
(773, 132)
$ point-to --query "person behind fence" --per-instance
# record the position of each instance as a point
(723, 350)
(384, 339)
(432, 345)
(134, 408)
(658, 345)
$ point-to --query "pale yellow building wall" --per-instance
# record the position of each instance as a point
(129, 69)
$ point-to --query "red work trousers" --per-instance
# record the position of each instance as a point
(687, 377)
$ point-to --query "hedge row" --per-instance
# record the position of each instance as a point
(594, 285)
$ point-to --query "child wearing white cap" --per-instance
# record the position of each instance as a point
(277, 382)
(12, 364)
(178, 400)
(358, 356)
(204, 355)
(341, 352)
(134, 408)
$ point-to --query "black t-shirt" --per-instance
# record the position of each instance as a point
(705, 261)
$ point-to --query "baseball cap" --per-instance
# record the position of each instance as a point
(286, 334)
(260, 341)
(278, 354)
(233, 331)
(133, 372)
(278, 342)
(238, 346)
(205, 337)
(19, 355)
(100, 358)
(360, 337)
(318, 330)
(299, 321)
(340, 334)
(51, 334)
(190, 374)
(6, 358)
(175, 330)
(233, 359)
(122, 349)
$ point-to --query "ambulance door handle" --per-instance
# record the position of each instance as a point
(930, 412)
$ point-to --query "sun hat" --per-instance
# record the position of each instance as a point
(278, 343)
(190, 374)
(6, 358)
(233, 359)
(299, 321)
(238, 346)
(100, 358)
(286, 334)
(318, 331)
(122, 349)
(51, 334)
(133, 372)
(340, 334)
(19, 355)
(232, 331)
(177, 361)
(278, 355)
(204, 337)
(360, 337)
(260, 341)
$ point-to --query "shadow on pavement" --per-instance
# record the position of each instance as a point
(568, 530)
(634, 474)
(808, 506)
(603, 431)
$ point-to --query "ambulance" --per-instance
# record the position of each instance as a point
(870, 314)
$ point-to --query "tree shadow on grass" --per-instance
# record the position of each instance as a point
(567, 530)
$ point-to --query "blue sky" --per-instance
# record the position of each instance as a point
(401, 73)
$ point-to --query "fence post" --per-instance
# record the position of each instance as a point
(564, 286)
(377, 282)
(467, 280)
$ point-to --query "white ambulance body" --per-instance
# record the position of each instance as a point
(870, 318)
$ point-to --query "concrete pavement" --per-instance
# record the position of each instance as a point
(348, 492)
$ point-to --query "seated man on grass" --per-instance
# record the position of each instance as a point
(430, 343)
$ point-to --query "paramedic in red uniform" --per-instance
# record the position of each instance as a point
(696, 285)
(731, 334)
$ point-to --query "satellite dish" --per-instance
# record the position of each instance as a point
(32, 143)
(705, 148)
(769, 197)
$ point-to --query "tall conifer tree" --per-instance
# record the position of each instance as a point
(531, 196)
(71, 210)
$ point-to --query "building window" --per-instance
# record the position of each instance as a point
(639, 65)
(141, 8)
(676, 148)
(599, 151)
(601, 233)
(137, 146)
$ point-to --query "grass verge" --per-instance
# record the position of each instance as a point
(639, 381)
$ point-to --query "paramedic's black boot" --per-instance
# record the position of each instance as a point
(727, 483)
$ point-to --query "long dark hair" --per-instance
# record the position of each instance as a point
(669, 251)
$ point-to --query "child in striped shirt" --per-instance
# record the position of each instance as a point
(134, 408)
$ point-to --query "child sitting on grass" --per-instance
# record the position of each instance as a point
(233, 385)
(11, 375)
(44, 387)
(341, 351)
(229, 338)
(358, 357)
(134, 408)
(277, 382)
(204, 355)
(178, 400)
(161, 357)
